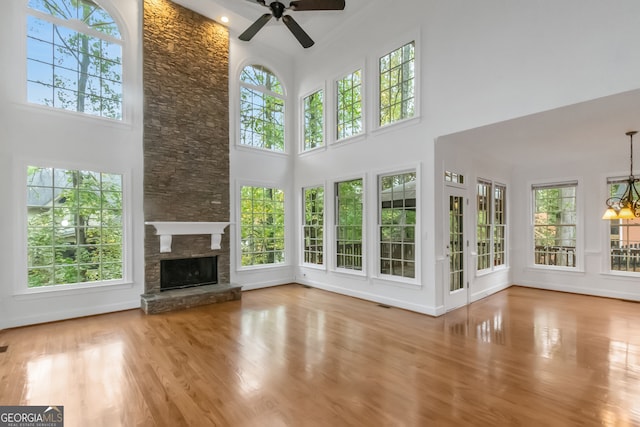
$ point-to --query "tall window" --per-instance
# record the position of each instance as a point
(397, 85)
(397, 216)
(313, 229)
(483, 226)
(499, 224)
(349, 111)
(261, 109)
(261, 225)
(74, 226)
(624, 235)
(74, 57)
(554, 224)
(349, 224)
(314, 120)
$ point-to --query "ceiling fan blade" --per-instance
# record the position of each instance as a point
(317, 5)
(297, 31)
(255, 27)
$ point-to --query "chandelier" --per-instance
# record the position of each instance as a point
(626, 206)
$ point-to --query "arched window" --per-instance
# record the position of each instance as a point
(74, 57)
(261, 109)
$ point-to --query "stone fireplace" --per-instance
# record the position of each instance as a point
(186, 151)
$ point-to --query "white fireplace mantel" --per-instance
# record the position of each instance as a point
(167, 229)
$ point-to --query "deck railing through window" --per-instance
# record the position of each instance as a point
(556, 255)
(626, 258)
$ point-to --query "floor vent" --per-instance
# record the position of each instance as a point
(384, 306)
(3, 349)
(307, 287)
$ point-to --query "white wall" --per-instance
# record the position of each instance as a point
(480, 63)
(260, 167)
(38, 135)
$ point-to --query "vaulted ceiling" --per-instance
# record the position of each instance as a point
(242, 13)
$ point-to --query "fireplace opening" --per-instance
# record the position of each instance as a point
(188, 272)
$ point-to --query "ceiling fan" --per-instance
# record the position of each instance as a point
(277, 11)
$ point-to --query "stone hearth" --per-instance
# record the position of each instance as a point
(160, 302)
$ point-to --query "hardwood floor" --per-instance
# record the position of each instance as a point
(292, 356)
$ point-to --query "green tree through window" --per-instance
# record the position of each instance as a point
(314, 120)
(261, 225)
(74, 57)
(397, 85)
(349, 110)
(74, 226)
(261, 109)
(349, 224)
(313, 229)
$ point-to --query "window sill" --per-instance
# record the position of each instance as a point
(250, 268)
(61, 114)
(490, 271)
(623, 275)
(258, 150)
(349, 140)
(320, 267)
(396, 125)
(351, 273)
(555, 269)
(48, 291)
(312, 151)
(397, 281)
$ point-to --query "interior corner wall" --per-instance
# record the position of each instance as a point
(186, 130)
(34, 134)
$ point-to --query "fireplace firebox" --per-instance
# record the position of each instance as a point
(188, 272)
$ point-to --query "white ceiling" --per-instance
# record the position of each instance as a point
(587, 130)
(242, 13)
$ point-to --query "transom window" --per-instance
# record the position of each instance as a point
(349, 108)
(554, 224)
(397, 85)
(74, 226)
(397, 216)
(624, 236)
(74, 57)
(313, 229)
(261, 109)
(314, 120)
(261, 225)
(349, 224)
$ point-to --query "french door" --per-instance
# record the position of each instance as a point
(456, 293)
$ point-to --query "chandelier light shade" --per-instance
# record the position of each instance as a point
(626, 206)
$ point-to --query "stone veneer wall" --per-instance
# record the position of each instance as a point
(186, 131)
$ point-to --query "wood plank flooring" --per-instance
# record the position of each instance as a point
(293, 356)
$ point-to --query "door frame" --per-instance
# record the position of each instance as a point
(460, 297)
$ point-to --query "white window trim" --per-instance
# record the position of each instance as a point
(128, 62)
(333, 123)
(301, 149)
(579, 268)
(20, 247)
(606, 260)
(331, 245)
(236, 201)
(399, 40)
(235, 105)
(387, 278)
(322, 266)
(492, 268)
